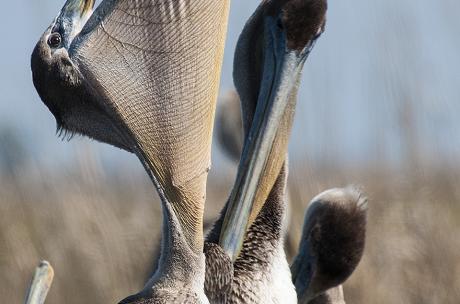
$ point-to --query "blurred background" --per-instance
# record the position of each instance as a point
(378, 106)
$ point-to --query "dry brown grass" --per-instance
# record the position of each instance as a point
(100, 232)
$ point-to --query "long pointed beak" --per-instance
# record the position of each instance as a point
(41, 283)
(281, 72)
(72, 18)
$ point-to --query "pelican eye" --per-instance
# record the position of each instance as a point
(54, 40)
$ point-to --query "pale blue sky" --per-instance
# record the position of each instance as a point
(375, 59)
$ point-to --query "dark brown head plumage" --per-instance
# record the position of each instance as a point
(333, 240)
(302, 19)
(338, 237)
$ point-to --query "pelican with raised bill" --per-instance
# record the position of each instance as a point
(144, 76)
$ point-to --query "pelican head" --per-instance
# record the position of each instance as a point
(57, 79)
(269, 58)
(332, 242)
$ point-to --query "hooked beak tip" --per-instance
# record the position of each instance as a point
(78, 8)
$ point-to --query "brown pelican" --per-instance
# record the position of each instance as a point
(143, 76)
(331, 246)
(245, 260)
(268, 61)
